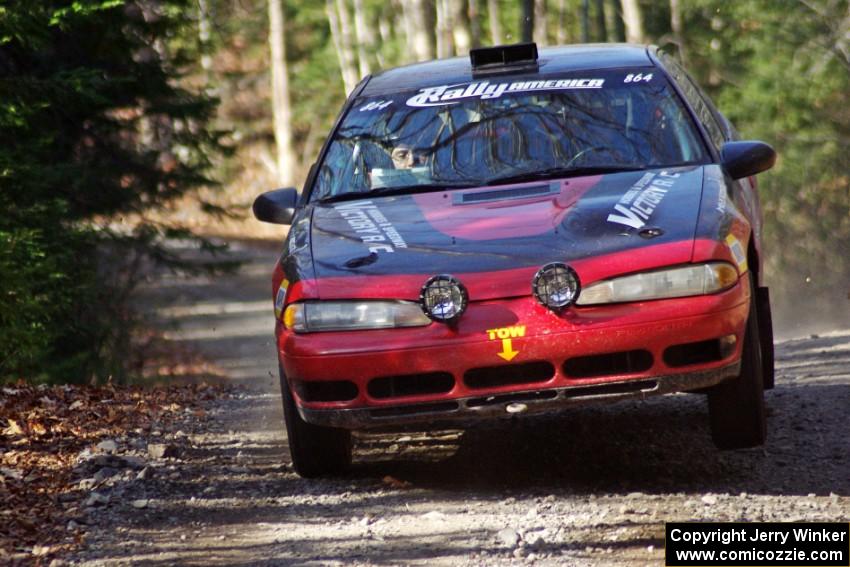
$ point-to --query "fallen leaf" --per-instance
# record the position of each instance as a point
(37, 427)
(11, 473)
(13, 428)
(43, 432)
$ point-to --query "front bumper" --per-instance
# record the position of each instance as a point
(530, 402)
(628, 347)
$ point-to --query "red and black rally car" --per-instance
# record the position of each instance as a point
(515, 233)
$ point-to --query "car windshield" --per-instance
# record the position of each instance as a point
(502, 130)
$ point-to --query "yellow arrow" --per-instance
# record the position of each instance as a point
(508, 352)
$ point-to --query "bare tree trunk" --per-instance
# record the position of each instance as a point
(633, 19)
(445, 42)
(365, 39)
(677, 25)
(526, 20)
(344, 51)
(585, 21)
(461, 32)
(333, 24)
(474, 23)
(495, 22)
(409, 33)
(541, 27)
(385, 28)
(439, 32)
(347, 42)
(562, 35)
(419, 26)
(842, 45)
(281, 106)
(386, 32)
(613, 21)
(204, 35)
(601, 32)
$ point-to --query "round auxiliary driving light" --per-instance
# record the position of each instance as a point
(555, 286)
(443, 298)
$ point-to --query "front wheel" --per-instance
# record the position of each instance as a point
(315, 450)
(736, 407)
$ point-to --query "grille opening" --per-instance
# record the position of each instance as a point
(328, 391)
(693, 353)
(507, 398)
(411, 385)
(495, 376)
(414, 410)
(626, 362)
(608, 389)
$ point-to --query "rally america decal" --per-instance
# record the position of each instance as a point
(449, 94)
(370, 224)
(635, 207)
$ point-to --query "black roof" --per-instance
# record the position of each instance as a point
(551, 60)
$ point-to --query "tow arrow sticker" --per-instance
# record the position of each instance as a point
(505, 334)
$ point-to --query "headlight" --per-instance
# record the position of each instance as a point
(675, 282)
(555, 286)
(315, 316)
(443, 298)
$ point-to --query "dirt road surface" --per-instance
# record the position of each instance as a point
(592, 487)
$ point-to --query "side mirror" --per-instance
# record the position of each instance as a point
(742, 159)
(277, 207)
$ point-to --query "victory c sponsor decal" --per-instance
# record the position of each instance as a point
(371, 226)
(636, 206)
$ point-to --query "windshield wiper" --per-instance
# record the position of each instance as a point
(400, 190)
(555, 172)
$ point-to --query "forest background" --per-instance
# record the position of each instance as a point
(129, 123)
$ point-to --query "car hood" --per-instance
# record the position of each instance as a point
(495, 238)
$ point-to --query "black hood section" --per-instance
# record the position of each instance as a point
(496, 231)
(505, 227)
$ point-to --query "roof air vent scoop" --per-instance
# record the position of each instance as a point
(495, 58)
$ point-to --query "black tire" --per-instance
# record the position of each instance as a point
(766, 333)
(736, 407)
(315, 450)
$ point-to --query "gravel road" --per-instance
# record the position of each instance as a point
(592, 487)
